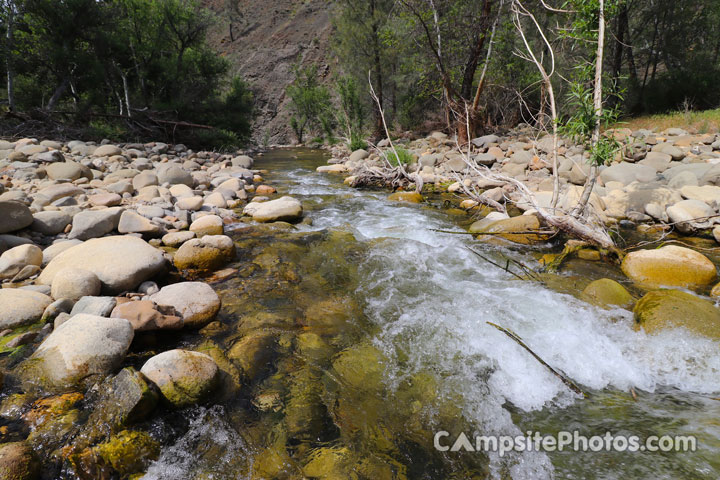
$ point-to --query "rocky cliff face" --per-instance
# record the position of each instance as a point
(263, 40)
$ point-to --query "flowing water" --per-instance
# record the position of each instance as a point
(376, 327)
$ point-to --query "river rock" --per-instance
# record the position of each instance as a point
(411, 197)
(193, 203)
(57, 248)
(196, 302)
(144, 179)
(98, 306)
(18, 462)
(19, 307)
(120, 262)
(207, 253)
(606, 292)
(242, 161)
(627, 173)
(207, 225)
(513, 229)
(74, 283)
(709, 194)
(82, 346)
(13, 260)
(174, 175)
(107, 151)
(184, 377)
(67, 171)
(105, 199)
(14, 216)
(55, 192)
(358, 155)
(689, 215)
(671, 265)
(284, 209)
(143, 316)
(95, 223)
(662, 309)
(131, 222)
(50, 222)
(175, 239)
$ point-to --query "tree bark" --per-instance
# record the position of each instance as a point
(378, 130)
(8, 56)
(59, 91)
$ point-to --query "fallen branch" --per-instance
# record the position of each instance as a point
(569, 383)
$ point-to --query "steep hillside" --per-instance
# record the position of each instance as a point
(271, 36)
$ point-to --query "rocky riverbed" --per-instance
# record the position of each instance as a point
(170, 314)
(662, 190)
(97, 247)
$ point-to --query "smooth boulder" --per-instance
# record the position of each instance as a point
(196, 302)
(669, 266)
(82, 346)
(662, 309)
(207, 253)
(14, 216)
(184, 377)
(74, 283)
(19, 307)
(285, 209)
(120, 262)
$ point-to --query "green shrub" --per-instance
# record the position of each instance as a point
(357, 143)
(403, 157)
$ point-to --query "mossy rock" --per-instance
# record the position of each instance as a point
(410, 197)
(129, 451)
(272, 462)
(18, 462)
(361, 367)
(608, 293)
(254, 354)
(662, 309)
(669, 266)
(512, 229)
(330, 463)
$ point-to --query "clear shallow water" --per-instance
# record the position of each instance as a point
(427, 299)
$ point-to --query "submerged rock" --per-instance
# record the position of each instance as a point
(670, 266)
(663, 309)
(606, 292)
(411, 197)
(513, 229)
(183, 377)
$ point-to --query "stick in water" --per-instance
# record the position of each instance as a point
(563, 378)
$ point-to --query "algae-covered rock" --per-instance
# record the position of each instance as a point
(513, 229)
(669, 266)
(184, 377)
(18, 462)
(329, 463)
(410, 197)
(606, 292)
(306, 416)
(129, 452)
(254, 353)
(273, 462)
(208, 253)
(662, 309)
(361, 367)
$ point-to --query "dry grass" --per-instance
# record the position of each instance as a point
(707, 121)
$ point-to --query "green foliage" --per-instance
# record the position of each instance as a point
(352, 110)
(309, 103)
(88, 55)
(403, 157)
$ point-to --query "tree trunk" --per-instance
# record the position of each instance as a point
(8, 56)
(598, 107)
(59, 91)
(378, 132)
(126, 90)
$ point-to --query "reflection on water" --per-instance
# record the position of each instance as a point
(351, 340)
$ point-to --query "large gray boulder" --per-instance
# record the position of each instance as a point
(95, 223)
(14, 216)
(626, 173)
(82, 346)
(50, 222)
(120, 262)
(175, 175)
(20, 307)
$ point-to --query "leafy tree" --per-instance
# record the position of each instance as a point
(353, 111)
(310, 103)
